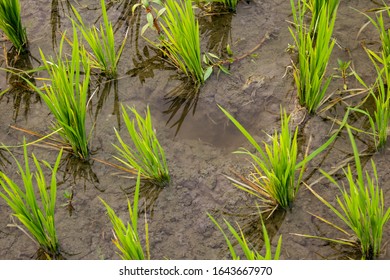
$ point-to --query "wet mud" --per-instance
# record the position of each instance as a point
(198, 139)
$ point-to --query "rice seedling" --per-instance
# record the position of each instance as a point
(343, 70)
(68, 195)
(274, 166)
(380, 91)
(126, 237)
(379, 24)
(181, 41)
(250, 254)
(277, 173)
(102, 43)
(315, 45)
(378, 118)
(11, 23)
(147, 156)
(362, 208)
(38, 221)
(67, 95)
(381, 94)
(231, 5)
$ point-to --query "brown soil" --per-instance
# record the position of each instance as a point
(198, 139)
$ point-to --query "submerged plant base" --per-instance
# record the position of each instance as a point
(80, 169)
(41, 254)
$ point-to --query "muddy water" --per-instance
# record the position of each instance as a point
(197, 137)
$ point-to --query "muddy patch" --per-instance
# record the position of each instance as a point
(197, 138)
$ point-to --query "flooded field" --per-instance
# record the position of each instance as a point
(197, 137)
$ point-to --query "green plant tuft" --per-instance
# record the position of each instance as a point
(250, 254)
(11, 23)
(67, 95)
(362, 208)
(380, 24)
(126, 237)
(180, 39)
(230, 4)
(147, 156)
(38, 220)
(102, 43)
(381, 94)
(315, 45)
(277, 173)
(381, 90)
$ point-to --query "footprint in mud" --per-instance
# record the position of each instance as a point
(253, 83)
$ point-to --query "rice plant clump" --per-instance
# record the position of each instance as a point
(380, 24)
(102, 43)
(277, 174)
(146, 154)
(250, 254)
(67, 95)
(181, 41)
(275, 166)
(11, 23)
(37, 217)
(362, 208)
(315, 45)
(381, 91)
(230, 4)
(126, 237)
(381, 94)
